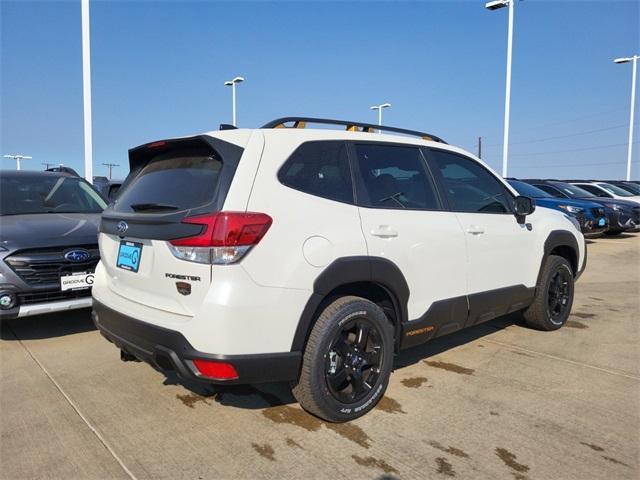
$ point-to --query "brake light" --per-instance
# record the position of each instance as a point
(216, 370)
(161, 143)
(225, 237)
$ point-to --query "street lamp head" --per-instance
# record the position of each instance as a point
(229, 83)
(385, 105)
(623, 60)
(496, 4)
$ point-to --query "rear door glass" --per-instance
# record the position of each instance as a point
(393, 177)
(183, 179)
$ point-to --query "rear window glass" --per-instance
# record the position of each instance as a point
(173, 181)
(320, 169)
(394, 177)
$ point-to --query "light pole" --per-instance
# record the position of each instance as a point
(634, 60)
(495, 5)
(17, 158)
(86, 92)
(232, 84)
(379, 109)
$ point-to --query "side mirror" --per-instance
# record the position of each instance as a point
(523, 206)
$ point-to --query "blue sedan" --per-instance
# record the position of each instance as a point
(590, 215)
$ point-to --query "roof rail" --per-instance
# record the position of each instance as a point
(301, 122)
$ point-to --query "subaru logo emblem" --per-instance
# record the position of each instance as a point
(122, 226)
(77, 255)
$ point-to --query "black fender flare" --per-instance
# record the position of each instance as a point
(345, 270)
(561, 238)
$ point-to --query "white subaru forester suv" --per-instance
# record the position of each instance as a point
(314, 255)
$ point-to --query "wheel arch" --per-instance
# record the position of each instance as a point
(374, 278)
(564, 244)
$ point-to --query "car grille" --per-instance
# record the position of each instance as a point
(597, 212)
(636, 214)
(52, 296)
(45, 266)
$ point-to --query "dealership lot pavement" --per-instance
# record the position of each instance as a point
(497, 401)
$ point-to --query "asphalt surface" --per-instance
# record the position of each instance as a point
(498, 401)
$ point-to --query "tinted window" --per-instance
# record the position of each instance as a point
(528, 190)
(551, 190)
(320, 169)
(182, 179)
(26, 194)
(630, 187)
(572, 191)
(393, 177)
(595, 190)
(469, 186)
(615, 190)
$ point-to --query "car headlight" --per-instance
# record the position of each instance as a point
(571, 208)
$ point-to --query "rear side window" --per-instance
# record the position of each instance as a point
(320, 169)
(174, 180)
(393, 177)
(469, 186)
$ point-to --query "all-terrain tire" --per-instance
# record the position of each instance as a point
(550, 310)
(314, 390)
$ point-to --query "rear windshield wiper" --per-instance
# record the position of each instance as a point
(138, 207)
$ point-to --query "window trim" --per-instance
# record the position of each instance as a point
(359, 185)
(345, 143)
(442, 186)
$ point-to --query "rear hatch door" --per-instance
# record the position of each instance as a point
(169, 181)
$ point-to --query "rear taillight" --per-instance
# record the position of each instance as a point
(225, 237)
(216, 370)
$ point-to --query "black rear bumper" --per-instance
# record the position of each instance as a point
(168, 351)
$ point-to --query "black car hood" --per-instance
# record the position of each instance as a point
(48, 230)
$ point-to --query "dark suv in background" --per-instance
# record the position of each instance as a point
(48, 242)
(623, 215)
(590, 215)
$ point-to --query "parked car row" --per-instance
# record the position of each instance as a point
(609, 208)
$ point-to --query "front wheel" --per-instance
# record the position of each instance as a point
(554, 296)
(347, 360)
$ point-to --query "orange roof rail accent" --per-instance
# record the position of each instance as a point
(300, 122)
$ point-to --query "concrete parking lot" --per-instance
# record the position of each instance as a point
(498, 401)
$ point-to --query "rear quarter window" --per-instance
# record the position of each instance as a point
(320, 169)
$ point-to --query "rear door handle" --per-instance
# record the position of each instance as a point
(383, 231)
(475, 230)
